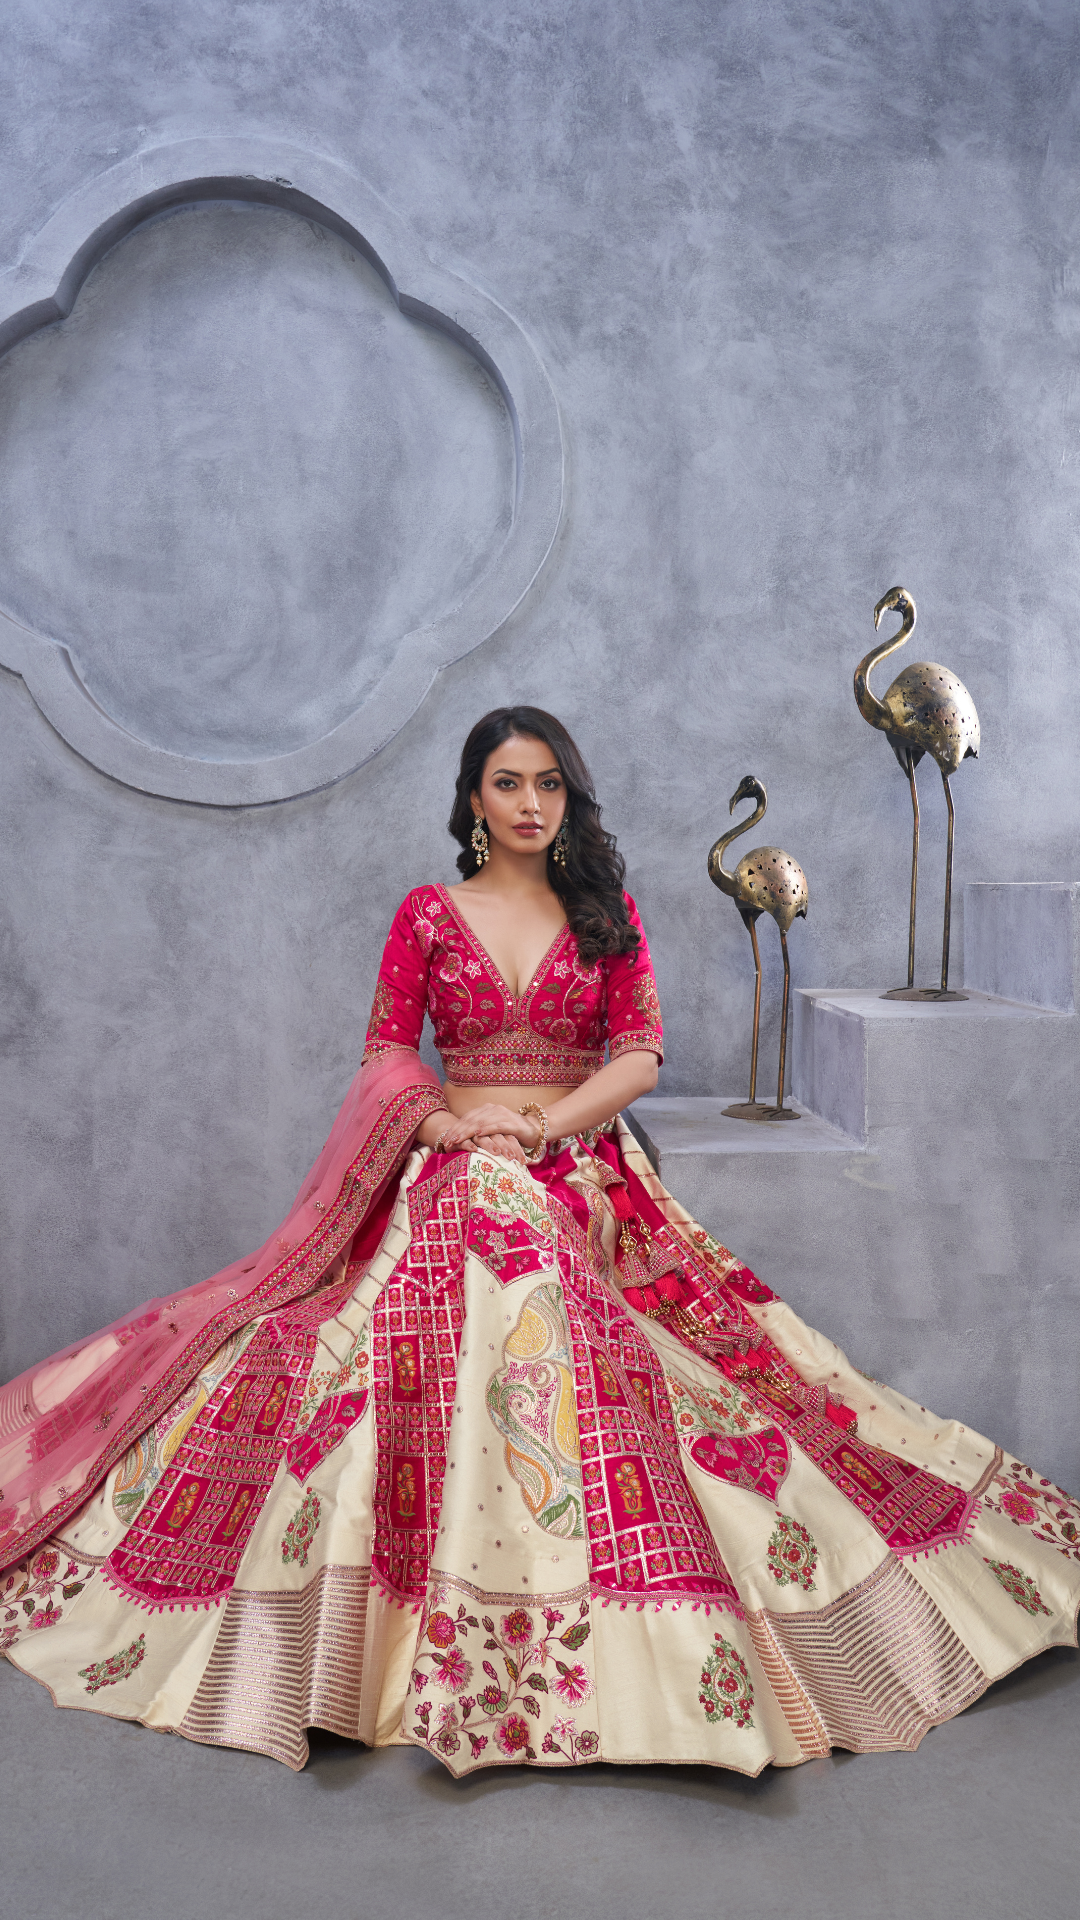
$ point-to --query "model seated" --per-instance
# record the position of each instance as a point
(492, 1449)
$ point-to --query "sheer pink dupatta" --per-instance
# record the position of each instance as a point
(64, 1423)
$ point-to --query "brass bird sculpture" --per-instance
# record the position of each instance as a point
(926, 710)
(765, 881)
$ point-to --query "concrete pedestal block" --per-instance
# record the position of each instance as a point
(1021, 941)
(864, 1063)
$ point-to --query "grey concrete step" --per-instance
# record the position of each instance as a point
(697, 1124)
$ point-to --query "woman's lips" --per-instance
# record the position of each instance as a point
(528, 828)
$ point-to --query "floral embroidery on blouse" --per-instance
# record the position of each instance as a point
(554, 1034)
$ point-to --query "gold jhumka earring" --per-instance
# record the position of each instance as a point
(480, 841)
(560, 846)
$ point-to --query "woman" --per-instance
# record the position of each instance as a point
(492, 1449)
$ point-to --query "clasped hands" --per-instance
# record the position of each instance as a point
(490, 1129)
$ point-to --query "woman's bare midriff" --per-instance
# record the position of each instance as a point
(462, 1100)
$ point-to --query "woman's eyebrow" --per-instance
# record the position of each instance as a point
(515, 775)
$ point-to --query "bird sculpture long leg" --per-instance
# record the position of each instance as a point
(749, 922)
(783, 1023)
(914, 868)
(948, 889)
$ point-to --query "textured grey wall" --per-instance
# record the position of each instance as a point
(805, 281)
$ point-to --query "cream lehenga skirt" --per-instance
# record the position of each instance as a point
(552, 1478)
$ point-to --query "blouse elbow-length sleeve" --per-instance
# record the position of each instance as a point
(397, 1013)
(633, 1007)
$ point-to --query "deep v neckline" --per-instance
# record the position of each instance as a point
(519, 998)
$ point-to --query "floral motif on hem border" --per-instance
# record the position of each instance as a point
(792, 1553)
(301, 1530)
(726, 1689)
(110, 1672)
(499, 1711)
(1029, 1500)
(29, 1592)
(1018, 1585)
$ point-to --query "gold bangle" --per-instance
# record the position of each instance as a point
(537, 1152)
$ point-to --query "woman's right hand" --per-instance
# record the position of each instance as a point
(501, 1143)
(492, 1121)
(452, 1133)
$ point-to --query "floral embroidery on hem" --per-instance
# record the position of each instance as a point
(301, 1530)
(501, 1709)
(29, 1593)
(726, 1691)
(581, 1746)
(1018, 1585)
(1030, 1500)
(792, 1554)
(109, 1673)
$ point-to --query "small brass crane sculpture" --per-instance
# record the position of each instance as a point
(926, 710)
(765, 881)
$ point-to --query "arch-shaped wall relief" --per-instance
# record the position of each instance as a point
(272, 472)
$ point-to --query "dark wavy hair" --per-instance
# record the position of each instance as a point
(590, 885)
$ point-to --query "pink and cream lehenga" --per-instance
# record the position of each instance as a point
(517, 1465)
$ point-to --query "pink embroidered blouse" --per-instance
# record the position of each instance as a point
(553, 1034)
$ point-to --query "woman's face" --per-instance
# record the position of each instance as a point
(522, 795)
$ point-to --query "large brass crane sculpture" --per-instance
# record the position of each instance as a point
(926, 710)
(765, 881)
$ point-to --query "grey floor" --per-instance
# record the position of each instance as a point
(104, 1819)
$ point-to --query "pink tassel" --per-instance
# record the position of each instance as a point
(669, 1287)
(841, 1416)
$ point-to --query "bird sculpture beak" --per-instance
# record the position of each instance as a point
(895, 600)
(744, 791)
